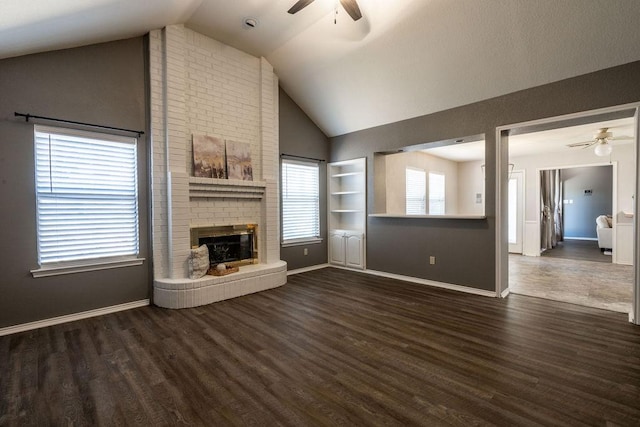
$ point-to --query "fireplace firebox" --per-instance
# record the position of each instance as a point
(233, 245)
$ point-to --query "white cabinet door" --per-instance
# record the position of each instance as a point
(354, 250)
(336, 248)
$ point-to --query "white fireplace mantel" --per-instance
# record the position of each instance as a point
(225, 188)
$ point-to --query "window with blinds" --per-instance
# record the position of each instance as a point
(300, 201)
(416, 191)
(436, 193)
(87, 201)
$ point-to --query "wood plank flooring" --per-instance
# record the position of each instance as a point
(583, 250)
(331, 347)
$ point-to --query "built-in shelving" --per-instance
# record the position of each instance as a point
(347, 212)
(342, 175)
(344, 193)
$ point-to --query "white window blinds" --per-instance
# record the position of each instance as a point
(416, 191)
(436, 194)
(300, 201)
(86, 187)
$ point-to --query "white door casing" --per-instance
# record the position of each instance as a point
(516, 212)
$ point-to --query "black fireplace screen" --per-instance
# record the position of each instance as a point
(229, 248)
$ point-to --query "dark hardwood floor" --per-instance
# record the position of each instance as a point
(331, 347)
(581, 250)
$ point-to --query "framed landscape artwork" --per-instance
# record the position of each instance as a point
(208, 157)
(239, 161)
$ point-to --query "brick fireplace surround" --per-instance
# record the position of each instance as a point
(201, 86)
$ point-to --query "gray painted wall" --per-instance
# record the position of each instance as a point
(103, 84)
(299, 136)
(465, 249)
(580, 216)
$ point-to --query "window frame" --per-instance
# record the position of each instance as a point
(422, 199)
(305, 239)
(443, 200)
(84, 264)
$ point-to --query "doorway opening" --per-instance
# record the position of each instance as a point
(534, 147)
(581, 207)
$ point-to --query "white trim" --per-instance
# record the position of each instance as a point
(450, 286)
(635, 306)
(442, 285)
(82, 268)
(306, 269)
(592, 239)
(614, 208)
(381, 215)
(501, 225)
(580, 115)
(72, 317)
(301, 242)
(521, 206)
(505, 293)
(226, 188)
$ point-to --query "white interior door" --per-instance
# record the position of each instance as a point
(516, 211)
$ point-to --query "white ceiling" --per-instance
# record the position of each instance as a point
(556, 140)
(403, 59)
(543, 142)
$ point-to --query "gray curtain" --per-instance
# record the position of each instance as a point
(551, 228)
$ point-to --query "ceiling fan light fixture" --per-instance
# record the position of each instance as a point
(603, 149)
(250, 23)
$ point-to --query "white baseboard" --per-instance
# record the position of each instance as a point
(433, 283)
(417, 280)
(305, 269)
(505, 293)
(591, 239)
(72, 317)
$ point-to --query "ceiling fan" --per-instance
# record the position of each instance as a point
(351, 6)
(602, 140)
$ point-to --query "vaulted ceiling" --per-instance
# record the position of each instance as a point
(403, 59)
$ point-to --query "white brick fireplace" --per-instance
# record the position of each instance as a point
(201, 86)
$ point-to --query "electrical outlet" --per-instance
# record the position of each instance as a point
(306, 251)
(432, 260)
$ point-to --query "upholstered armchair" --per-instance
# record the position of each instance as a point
(605, 232)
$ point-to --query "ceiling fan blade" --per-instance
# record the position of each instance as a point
(300, 4)
(621, 138)
(584, 144)
(351, 6)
